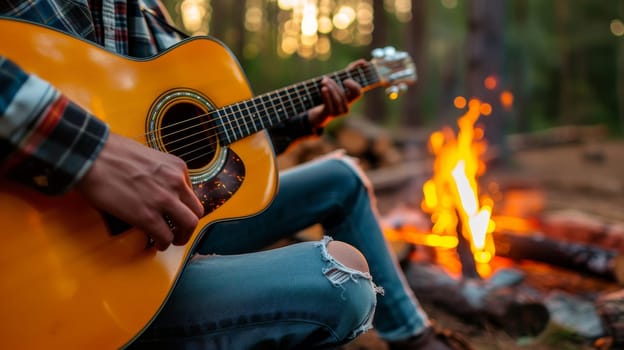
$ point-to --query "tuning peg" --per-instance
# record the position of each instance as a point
(377, 53)
(394, 91)
(389, 51)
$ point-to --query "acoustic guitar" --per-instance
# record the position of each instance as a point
(74, 277)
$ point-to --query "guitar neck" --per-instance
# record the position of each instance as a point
(244, 118)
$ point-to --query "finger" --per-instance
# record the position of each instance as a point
(147, 218)
(337, 97)
(360, 62)
(178, 179)
(189, 198)
(328, 101)
(353, 89)
(184, 222)
(160, 232)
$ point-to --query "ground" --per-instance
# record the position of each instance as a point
(584, 176)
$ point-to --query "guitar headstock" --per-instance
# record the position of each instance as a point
(395, 69)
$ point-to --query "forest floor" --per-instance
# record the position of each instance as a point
(586, 177)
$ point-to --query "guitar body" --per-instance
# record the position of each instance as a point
(69, 278)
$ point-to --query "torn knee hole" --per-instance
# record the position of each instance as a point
(347, 255)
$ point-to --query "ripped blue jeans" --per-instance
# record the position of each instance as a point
(285, 298)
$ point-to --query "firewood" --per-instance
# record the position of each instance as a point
(357, 135)
(574, 314)
(583, 227)
(378, 145)
(610, 308)
(385, 151)
(500, 300)
(382, 143)
(584, 258)
(303, 151)
(399, 175)
(352, 141)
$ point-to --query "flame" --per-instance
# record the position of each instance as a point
(452, 196)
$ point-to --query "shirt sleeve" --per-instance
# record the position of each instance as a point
(289, 131)
(46, 141)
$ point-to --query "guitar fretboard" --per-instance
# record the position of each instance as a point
(242, 119)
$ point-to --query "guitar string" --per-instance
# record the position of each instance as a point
(199, 149)
(343, 74)
(207, 146)
(246, 125)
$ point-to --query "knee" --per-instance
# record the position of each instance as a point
(348, 255)
(349, 190)
(356, 295)
(346, 177)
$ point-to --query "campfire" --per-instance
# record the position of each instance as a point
(463, 220)
(452, 195)
(468, 254)
(488, 245)
(461, 214)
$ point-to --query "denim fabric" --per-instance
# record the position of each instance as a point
(283, 298)
(278, 299)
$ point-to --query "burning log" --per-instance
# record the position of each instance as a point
(464, 253)
(610, 308)
(579, 257)
(576, 226)
(500, 300)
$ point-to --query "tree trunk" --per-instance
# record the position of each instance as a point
(520, 120)
(566, 101)
(619, 56)
(218, 27)
(415, 45)
(485, 52)
(375, 104)
(238, 34)
(230, 32)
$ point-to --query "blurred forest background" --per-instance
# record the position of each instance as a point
(538, 63)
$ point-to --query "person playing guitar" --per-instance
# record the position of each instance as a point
(156, 239)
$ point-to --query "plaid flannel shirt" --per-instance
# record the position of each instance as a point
(47, 141)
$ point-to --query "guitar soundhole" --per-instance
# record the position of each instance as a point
(188, 132)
